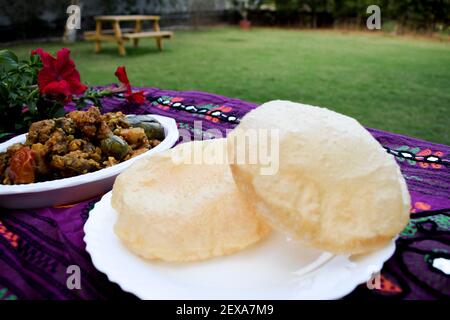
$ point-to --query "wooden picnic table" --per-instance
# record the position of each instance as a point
(120, 35)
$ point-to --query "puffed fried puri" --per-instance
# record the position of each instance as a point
(173, 208)
(336, 188)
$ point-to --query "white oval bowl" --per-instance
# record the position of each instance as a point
(78, 188)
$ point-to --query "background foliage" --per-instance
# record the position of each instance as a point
(21, 19)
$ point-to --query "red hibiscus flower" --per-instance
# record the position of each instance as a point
(58, 77)
(137, 97)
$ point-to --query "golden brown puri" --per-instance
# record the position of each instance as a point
(171, 210)
(336, 189)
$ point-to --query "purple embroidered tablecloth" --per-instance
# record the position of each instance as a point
(37, 246)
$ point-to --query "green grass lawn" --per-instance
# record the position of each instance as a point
(391, 83)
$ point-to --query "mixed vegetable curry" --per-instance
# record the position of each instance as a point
(80, 142)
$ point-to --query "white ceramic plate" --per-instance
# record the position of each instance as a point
(273, 269)
(74, 189)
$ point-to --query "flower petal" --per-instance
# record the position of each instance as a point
(136, 97)
(63, 63)
(58, 88)
(121, 74)
(45, 77)
(46, 58)
(73, 78)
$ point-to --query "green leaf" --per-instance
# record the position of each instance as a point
(18, 126)
(13, 95)
(33, 94)
(32, 107)
(8, 59)
(35, 59)
(60, 112)
(3, 90)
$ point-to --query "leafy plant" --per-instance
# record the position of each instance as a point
(39, 88)
(19, 93)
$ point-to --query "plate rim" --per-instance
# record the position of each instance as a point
(384, 254)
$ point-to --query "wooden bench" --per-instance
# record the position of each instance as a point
(147, 34)
(91, 34)
(121, 35)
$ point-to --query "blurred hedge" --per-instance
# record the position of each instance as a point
(25, 19)
(411, 15)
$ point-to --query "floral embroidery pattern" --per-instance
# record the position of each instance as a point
(12, 238)
(196, 132)
(210, 112)
(425, 158)
(388, 286)
(419, 205)
(430, 155)
(439, 221)
(164, 102)
(221, 109)
(437, 254)
(5, 296)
